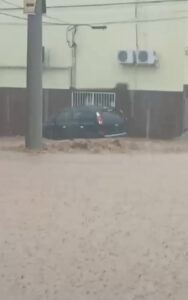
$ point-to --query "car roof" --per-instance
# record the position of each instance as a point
(91, 108)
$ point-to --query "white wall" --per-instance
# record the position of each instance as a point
(97, 65)
(104, 70)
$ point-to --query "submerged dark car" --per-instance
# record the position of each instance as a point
(85, 122)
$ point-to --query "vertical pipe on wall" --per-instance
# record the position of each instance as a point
(74, 65)
(136, 69)
(136, 26)
(72, 44)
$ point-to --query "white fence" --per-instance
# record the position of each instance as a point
(80, 98)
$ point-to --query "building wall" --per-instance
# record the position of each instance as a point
(97, 49)
(155, 93)
(105, 71)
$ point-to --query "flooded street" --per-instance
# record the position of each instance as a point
(98, 226)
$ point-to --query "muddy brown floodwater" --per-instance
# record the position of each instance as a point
(94, 222)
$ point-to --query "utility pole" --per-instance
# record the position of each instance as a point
(34, 105)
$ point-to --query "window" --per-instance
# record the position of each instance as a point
(64, 117)
(111, 117)
(83, 116)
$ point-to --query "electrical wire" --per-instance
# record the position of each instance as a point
(10, 9)
(71, 29)
(130, 21)
(22, 18)
(61, 22)
(142, 2)
(56, 19)
(12, 16)
(10, 3)
(134, 21)
(25, 19)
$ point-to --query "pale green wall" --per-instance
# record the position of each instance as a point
(97, 65)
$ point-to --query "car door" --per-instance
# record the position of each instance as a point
(84, 123)
(63, 125)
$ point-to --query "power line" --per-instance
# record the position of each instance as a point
(10, 9)
(134, 21)
(10, 3)
(12, 16)
(25, 19)
(16, 7)
(143, 2)
(56, 19)
(63, 23)
(22, 18)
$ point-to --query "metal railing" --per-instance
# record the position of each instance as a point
(103, 99)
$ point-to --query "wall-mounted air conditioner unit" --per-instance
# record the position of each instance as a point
(144, 57)
(126, 57)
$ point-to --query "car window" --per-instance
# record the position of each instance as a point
(111, 117)
(83, 116)
(64, 117)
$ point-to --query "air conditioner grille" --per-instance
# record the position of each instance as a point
(143, 56)
(123, 56)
